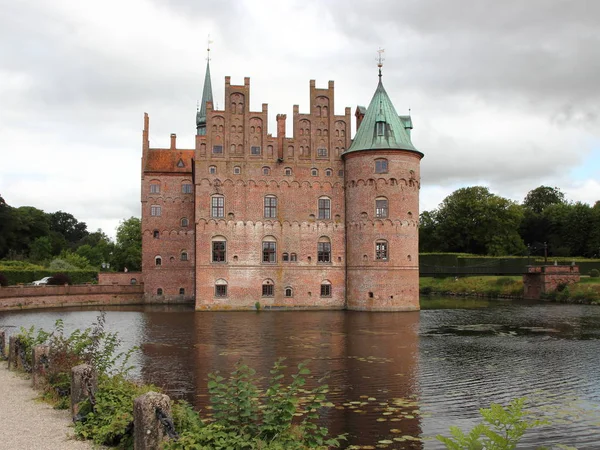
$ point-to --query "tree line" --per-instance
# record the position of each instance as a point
(474, 220)
(61, 242)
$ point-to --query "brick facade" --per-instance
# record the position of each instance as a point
(540, 280)
(283, 221)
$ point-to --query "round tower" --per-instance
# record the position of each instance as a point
(382, 210)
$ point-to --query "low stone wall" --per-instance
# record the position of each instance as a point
(29, 297)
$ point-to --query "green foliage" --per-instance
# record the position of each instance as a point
(594, 273)
(29, 338)
(128, 250)
(541, 197)
(113, 412)
(25, 276)
(40, 250)
(246, 418)
(489, 286)
(3, 280)
(502, 429)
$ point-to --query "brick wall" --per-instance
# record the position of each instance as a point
(120, 278)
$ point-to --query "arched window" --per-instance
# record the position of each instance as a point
(314, 172)
(293, 257)
(268, 288)
(326, 289)
(324, 208)
(159, 291)
(184, 222)
(381, 165)
(220, 288)
(217, 206)
(328, 172)
(237, 170)
(269, 250)
(181, 291)
(219, 249)
(184, 256)
(155, 187)
(285, 257)
(133, 281)
(270, 204)
(381, 207)
(381, 250)
(324, 250)
(289, 292)
(266, 170)
(212, 170)
(288, 171)
(156, 234)
(158, 261)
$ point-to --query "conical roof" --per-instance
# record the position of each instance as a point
(206, 97)
(391, 133)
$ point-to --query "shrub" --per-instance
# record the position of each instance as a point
(59, 279)
(26, 340)
(594, 273)
(3, 280)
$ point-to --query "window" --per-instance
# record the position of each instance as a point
(340, 173)
(380, 128)
(221, 288)
(328, 172)
(289, 292)
(181, 291)
(324, 250)
(285, 257)
(155, 210)
(156, 234)
(158, 261)
(293, 257)
(155, 188)
(288, 172)
(322, 152)
(159, 291)
(217, 149)
(185, 222)
(180, 163)
(268, 289)
(270, 206)
(186, 188)
(255, 150)
(324, 208)
(314, 172)
(217, 206)
(326, 289)
(184, 256)
(381, 207)
(237, 170)
(381, 166)
(133, 281)
(381, 250)
(268, 252)
(212, 170)
(219, 251)
(266, 170)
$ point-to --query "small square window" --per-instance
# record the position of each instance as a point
(322, 152)
(212, 170)
(255, 150)
(155, 210)
(328, 172)
(186, 188)
(155, 188)
(185, 222)
(288, 172)
(221, 290)
(237, 170)
(285, 257)
(381, 166)
(289, 292)
(181, 291)
(184, 256)
(325, 290)
(156, 234)
(266, 170)
(314, 172)
(293, 257)
(340, 173)
(268, 290)
(217, 149)
(159, 291)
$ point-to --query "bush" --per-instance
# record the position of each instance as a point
(3, 280)
(16, 275)
(594, 273)
(26, 340)
(59, 279)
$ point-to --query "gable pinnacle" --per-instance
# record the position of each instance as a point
(380, 60)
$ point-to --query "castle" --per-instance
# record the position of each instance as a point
(313, 220)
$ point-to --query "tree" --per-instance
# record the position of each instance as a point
(40, 250)
(7, 227)
(30, 224)
(473, 220)
(67, 225)
(128, 249)
(541, 197)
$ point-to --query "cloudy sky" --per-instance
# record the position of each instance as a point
(504, 94)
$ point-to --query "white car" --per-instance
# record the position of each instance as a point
(41, 282)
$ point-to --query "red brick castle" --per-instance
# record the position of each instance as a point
(313, 220)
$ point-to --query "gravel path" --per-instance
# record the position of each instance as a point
(29, 424)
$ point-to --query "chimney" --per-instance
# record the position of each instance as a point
(173, 141)
(360, 115)
(280, 135)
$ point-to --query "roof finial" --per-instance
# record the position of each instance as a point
(380, 60)
(208, 48)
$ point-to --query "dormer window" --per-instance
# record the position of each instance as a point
(380, 128)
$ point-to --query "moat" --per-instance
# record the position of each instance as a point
(392, 375)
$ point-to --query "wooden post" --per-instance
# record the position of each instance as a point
(148, 431)
(40, 365)
(84, 381)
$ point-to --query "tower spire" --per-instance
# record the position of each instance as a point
(206, 95)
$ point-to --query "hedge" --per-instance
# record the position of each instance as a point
(25, 276)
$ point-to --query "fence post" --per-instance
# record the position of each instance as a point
(147, 428)
(84, 383)
(2, 344)
(40, 365)
(12, 352)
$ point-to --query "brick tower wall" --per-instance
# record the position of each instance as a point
(390, 284)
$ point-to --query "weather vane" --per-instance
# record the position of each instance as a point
(208, 48)
(380, 59)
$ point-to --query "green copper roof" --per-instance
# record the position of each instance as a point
(392, 132)
(206, 97)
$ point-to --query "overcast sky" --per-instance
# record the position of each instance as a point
(504, 94)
